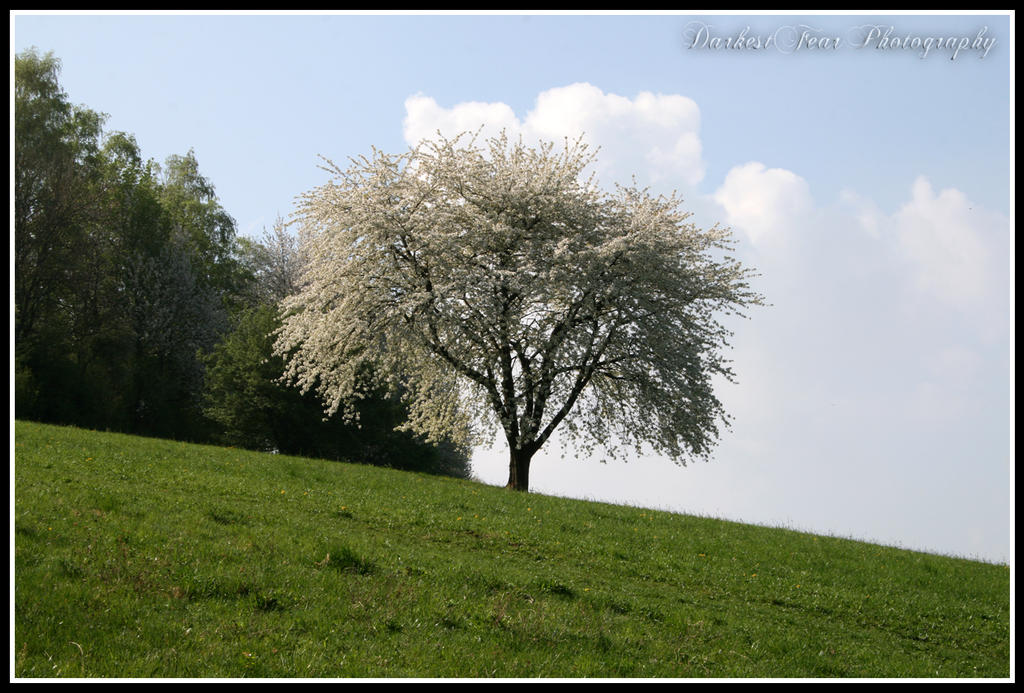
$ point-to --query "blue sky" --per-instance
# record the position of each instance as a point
(870, 185)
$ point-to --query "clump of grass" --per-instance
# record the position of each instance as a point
(557, 589)
(344, 559)
(227, 516)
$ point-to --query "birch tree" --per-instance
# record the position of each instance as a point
(496, 281)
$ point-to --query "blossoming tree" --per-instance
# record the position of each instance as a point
(494, 285)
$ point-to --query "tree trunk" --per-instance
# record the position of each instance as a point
(519, 469)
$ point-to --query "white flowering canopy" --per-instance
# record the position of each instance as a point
(492, 284)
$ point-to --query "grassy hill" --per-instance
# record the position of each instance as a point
(147, 558)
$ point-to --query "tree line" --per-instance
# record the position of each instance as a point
(138, 307)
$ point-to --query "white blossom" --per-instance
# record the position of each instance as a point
(492, 282)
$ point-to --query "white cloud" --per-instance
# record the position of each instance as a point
(939, 249)
(764, 203)
(865, 212)
(951, 245)
(424, 118)
(653, 136)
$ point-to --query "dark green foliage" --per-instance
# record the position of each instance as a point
(127, 272)
(56, 195)
(254, 410)
(122, 274)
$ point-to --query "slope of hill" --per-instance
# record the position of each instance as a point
(137, 557)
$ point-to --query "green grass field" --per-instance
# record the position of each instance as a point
(136, 557)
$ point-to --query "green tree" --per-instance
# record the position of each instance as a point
(255, 410)
(124, 269)
(58, 203)
(56, 196)
(200, 224)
